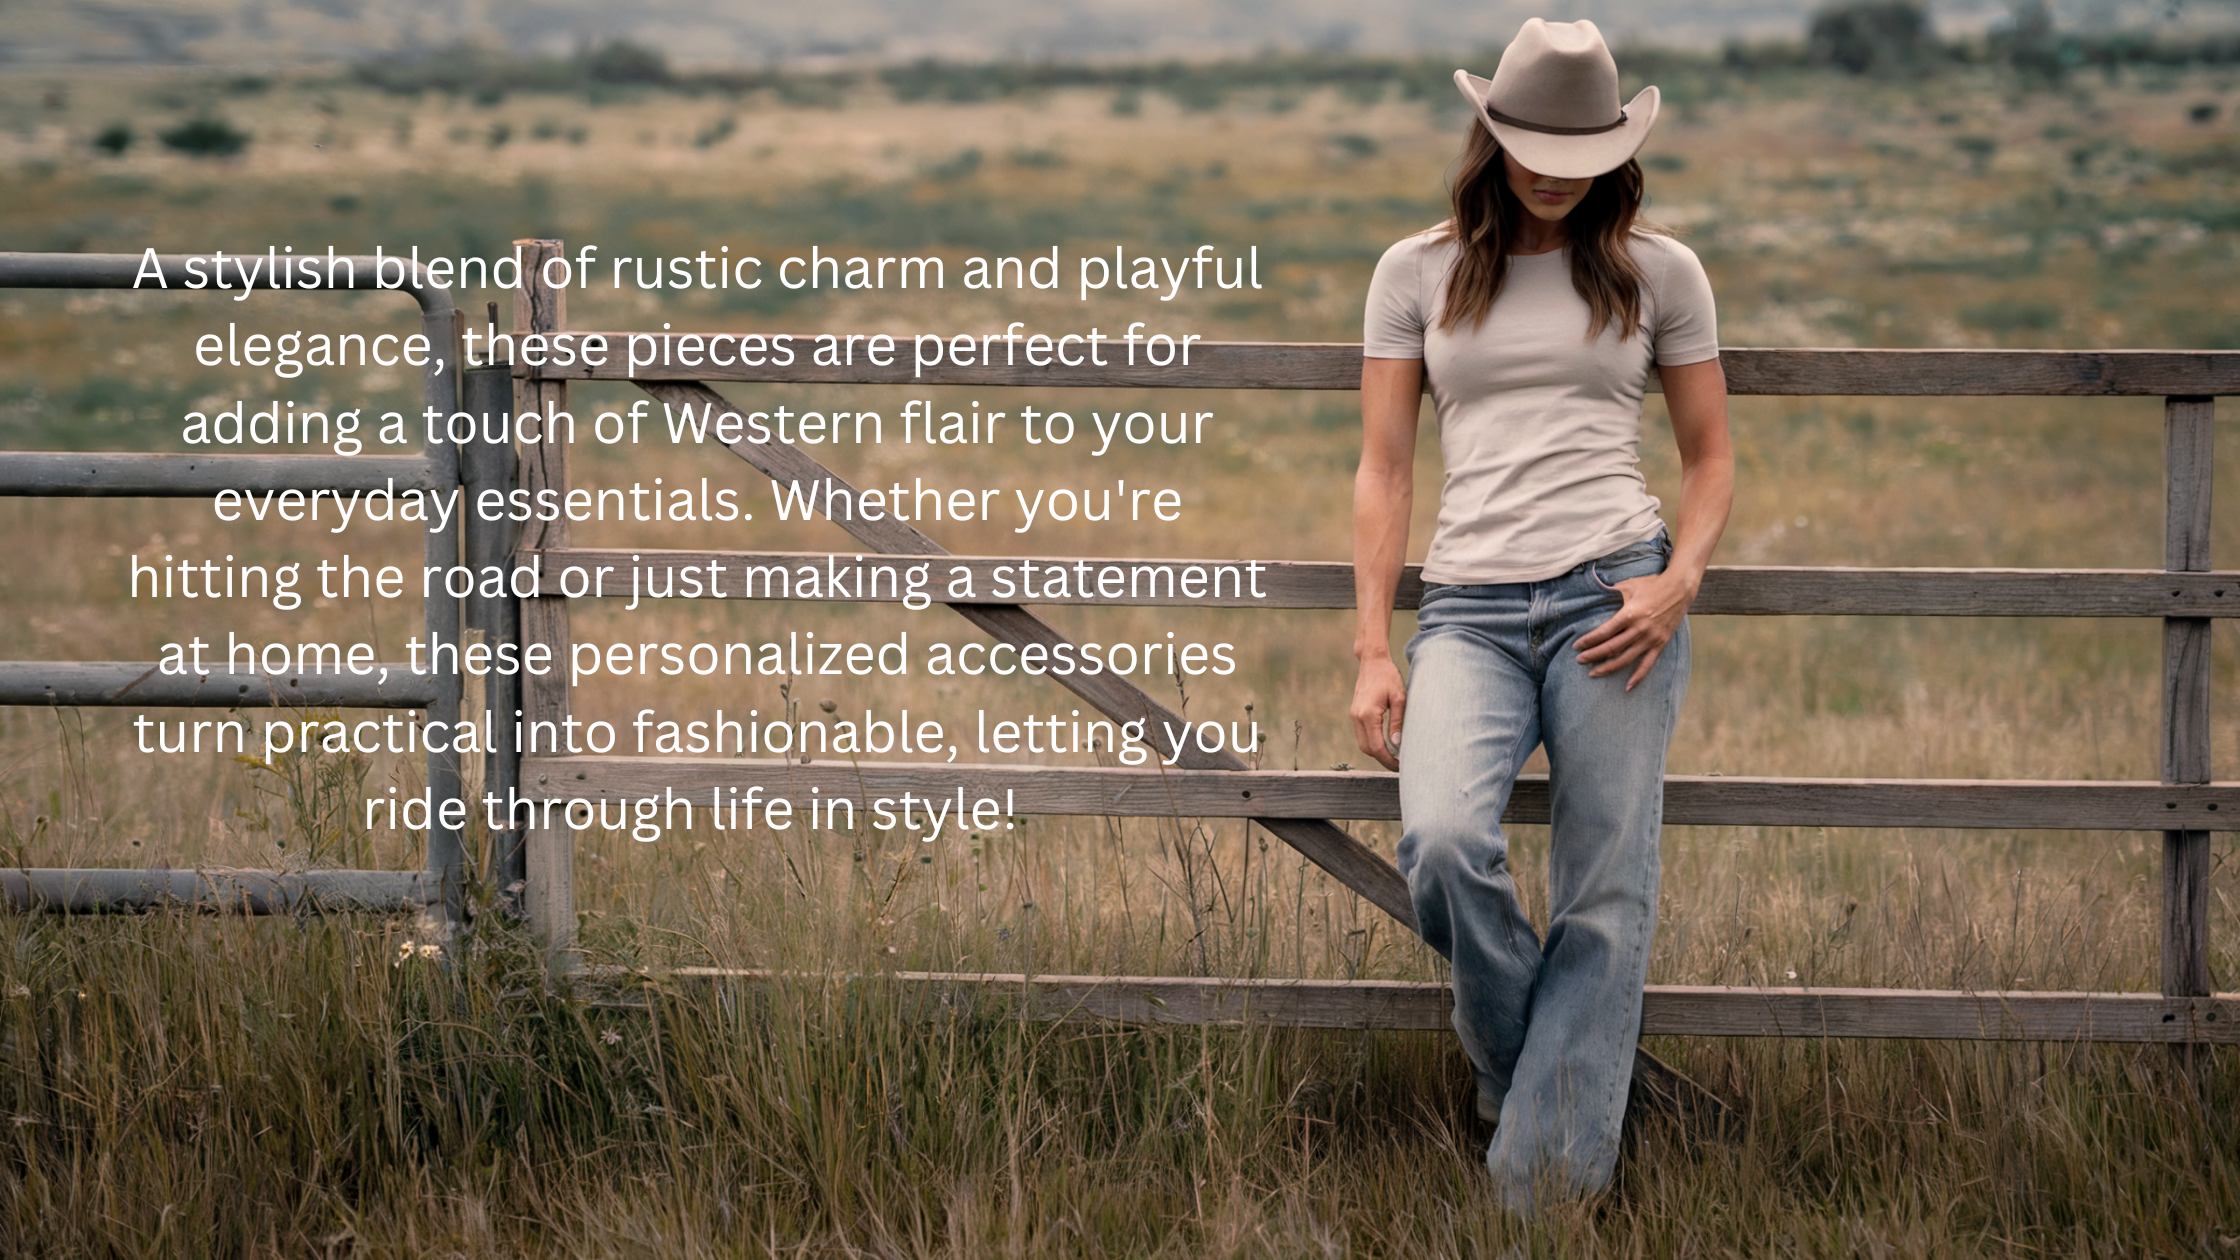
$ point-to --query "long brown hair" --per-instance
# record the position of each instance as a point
(1486, 216)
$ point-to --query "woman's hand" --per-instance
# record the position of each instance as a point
(1636, 634)
(1695, 397)
(1378, 694)
(1383, 494)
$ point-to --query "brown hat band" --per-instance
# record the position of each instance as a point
(1507, 120)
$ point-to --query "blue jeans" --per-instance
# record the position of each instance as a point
(1550, 1027)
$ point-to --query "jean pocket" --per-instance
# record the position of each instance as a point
(1635, 560)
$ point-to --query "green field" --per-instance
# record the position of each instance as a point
(183, 1085)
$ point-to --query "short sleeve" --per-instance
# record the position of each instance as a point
(1687, 328)
(1393, 325)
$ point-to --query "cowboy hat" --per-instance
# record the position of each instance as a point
(1553, 102)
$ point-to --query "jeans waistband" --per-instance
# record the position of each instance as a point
(1661, 541)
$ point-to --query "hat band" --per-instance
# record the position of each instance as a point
(1544, 128)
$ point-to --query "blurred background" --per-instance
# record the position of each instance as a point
(1869, 174)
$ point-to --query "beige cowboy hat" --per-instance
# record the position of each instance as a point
(1553, 102)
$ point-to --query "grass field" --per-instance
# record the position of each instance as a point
(181, 1085)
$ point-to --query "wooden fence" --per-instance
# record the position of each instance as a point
(140, 684)
(2186, 806)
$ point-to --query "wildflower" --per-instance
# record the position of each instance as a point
(610, 1036)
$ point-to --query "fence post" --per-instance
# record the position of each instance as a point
(2187, 447)
(549, 851)
(440, 397)
(488, 463)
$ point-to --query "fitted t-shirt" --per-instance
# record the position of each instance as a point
(1539, 427)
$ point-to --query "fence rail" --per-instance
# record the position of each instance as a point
(82, 891)
(71, 475)
(1666, 1009)
(1728, 590)
(1689, 800)
(390, 685)
(659, 357)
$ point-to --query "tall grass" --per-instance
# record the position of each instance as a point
(176, 1084)
(185, 1086)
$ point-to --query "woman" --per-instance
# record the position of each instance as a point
(1554, 606)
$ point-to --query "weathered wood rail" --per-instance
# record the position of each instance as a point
(2185, 594)
(1666, 1009)
(1689, 800)
(238, 892)
(1728, 590)
(1337, 366)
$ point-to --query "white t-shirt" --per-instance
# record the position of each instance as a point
(1539, 426)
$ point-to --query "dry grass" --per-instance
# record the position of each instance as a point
(196, 1085)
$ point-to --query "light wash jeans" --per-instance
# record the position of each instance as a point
(1550, 1027)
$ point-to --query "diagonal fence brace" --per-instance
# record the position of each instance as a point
(1322, 842)
(1351, 862)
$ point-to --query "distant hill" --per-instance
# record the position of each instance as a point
(753, 33)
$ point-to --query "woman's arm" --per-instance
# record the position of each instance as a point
(1695, 395)
(1383, 501)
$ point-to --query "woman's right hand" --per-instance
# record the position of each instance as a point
(1383, 492)
(1378, 696)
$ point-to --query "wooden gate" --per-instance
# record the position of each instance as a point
(2185, 806)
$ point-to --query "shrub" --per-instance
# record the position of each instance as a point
(114, 139)
(2027, 40)
(956, 168)
(715, 133)
(207, 136)
(620, 61)
(1879, 35)
(1979, 151)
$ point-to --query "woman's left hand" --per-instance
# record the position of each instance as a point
(1636, 634)
(1695, 395)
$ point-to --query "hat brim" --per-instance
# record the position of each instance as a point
(1567, 157)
